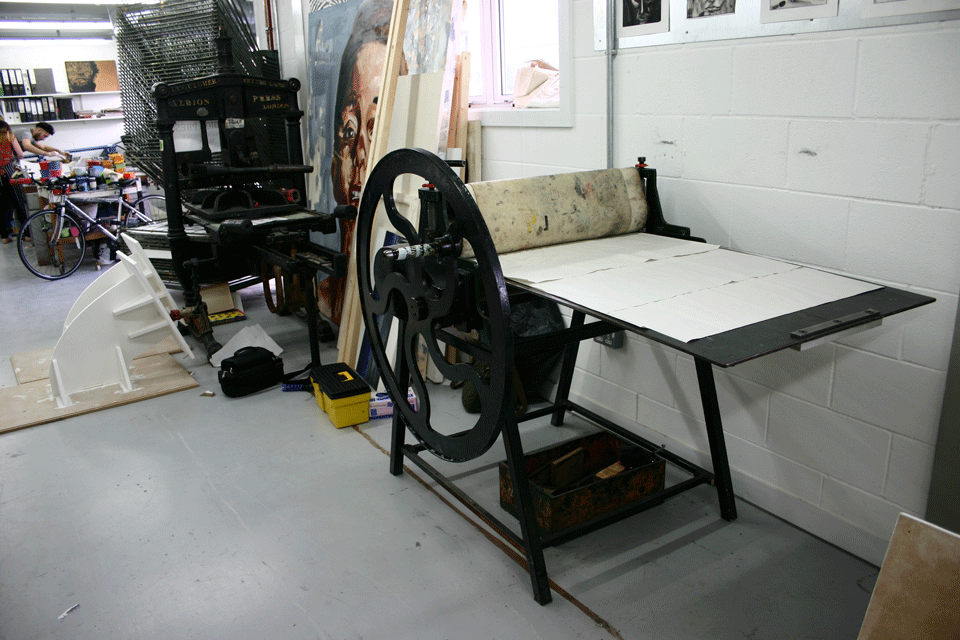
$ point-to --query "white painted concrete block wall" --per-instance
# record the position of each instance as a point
(839, 150)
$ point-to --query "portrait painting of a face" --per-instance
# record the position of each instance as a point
(349, 42)
(355, 107)
(347, 60)
(86, 76)
(81, 76)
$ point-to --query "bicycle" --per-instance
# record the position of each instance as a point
(53, 241)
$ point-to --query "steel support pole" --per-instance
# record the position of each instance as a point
(718, 447)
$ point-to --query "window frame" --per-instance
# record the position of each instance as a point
(501, 113)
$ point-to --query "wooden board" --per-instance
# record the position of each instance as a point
(918, 590)
(474, 151)
(35, 365)
(457, 134)
(218, 297)
(30, 404)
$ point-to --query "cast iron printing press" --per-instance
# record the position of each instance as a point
(232, 164)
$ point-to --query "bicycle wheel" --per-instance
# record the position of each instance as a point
(148, 209)
(58, 244)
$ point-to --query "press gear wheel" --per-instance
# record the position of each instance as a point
(427, 286)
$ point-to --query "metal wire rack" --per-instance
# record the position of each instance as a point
(174, 41)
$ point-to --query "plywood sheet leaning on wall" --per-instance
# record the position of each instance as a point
(457, 133)
(918, 589)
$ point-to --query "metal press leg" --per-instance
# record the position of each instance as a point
(526, 512)
(398, 427)
(566, 370)
(308, 286)
(718, 447)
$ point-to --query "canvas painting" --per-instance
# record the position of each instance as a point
(348, 50)
(329, 29)
(87, 76)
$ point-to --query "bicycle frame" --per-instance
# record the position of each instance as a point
(65, 210)
(68, 204)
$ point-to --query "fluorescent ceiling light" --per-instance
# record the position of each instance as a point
(43, 25)
(61, 42)
(90, 1)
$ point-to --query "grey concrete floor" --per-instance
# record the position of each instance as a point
(187, 516)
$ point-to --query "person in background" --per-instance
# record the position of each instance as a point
(31, 140)
(11, 197)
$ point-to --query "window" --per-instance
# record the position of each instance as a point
(502, 35)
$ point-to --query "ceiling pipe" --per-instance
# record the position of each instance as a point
(268, 18)
(611, 54)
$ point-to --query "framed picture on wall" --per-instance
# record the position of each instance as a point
(883, 8)
(642, 17)
(786, 10)
(707, 8)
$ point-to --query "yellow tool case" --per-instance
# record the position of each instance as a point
(341, 393)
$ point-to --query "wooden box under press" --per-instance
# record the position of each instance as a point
(583, 479)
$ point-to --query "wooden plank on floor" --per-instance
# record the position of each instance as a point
(30, 404)
(35, 365)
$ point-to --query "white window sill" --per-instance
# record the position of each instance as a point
(510, 117)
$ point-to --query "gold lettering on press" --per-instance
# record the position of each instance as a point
(269, 98)
(264, 83)
(209, 82)
(199, 102)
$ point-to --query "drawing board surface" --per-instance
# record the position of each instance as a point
(680, 288)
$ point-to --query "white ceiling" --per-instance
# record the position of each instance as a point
(43, 15)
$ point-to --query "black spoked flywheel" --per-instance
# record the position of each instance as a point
(423, 283)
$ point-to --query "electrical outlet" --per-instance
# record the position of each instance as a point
(613, 340)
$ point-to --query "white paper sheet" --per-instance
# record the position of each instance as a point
(252, 336)
(683, 289)
(574, 259)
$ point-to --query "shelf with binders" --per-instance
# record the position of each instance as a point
(61, 107)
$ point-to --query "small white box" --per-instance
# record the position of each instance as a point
(381, 406)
